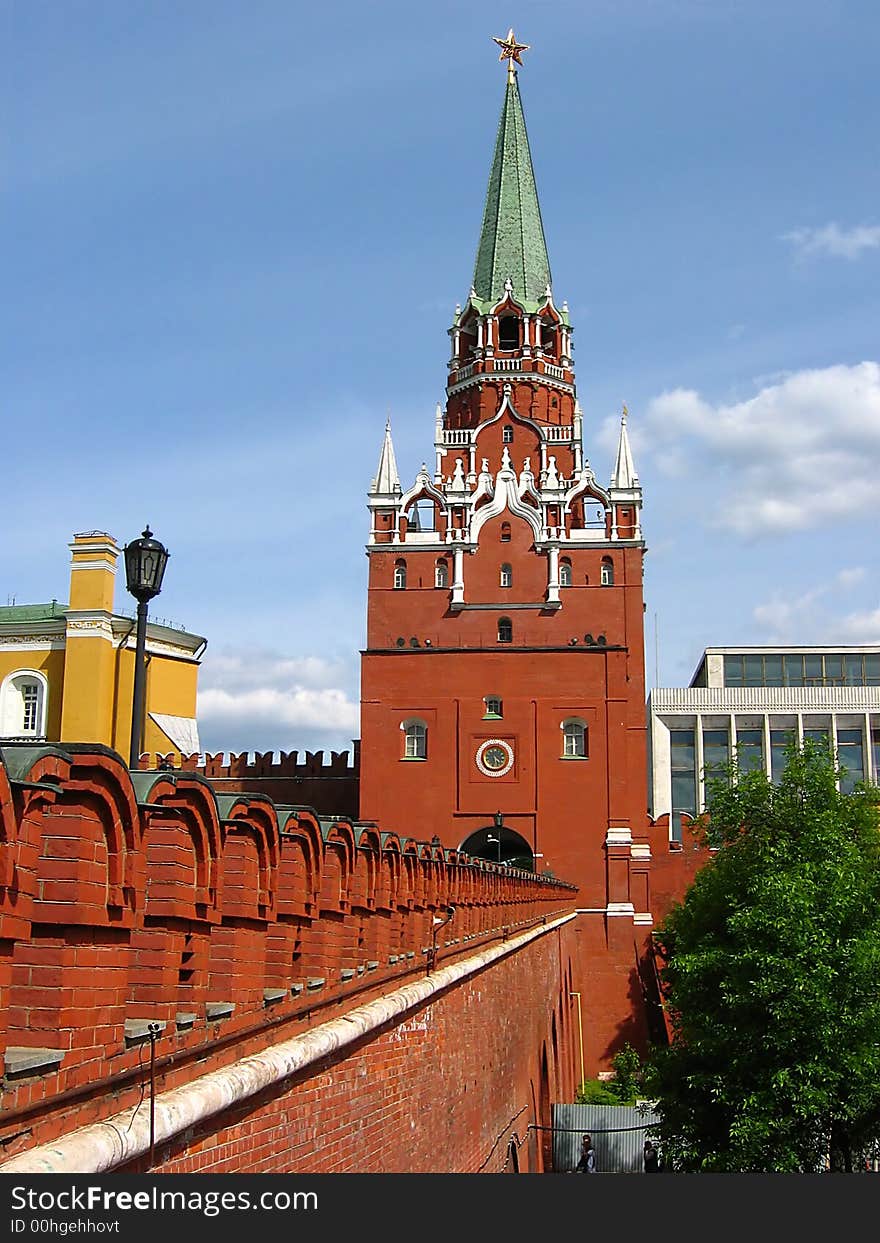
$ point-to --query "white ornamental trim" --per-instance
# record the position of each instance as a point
(481, 750)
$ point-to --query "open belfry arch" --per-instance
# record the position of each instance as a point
(509, 574)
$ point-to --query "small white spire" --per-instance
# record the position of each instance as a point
(624, 475)
(508, 285)
(548, 292)
(387, 479)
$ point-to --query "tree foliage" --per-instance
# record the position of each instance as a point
(772, 979)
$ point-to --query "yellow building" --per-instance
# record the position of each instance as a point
(67, 670)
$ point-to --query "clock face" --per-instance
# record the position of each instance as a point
(494, 757)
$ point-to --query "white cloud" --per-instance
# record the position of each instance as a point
(327, 709)
(862, 627)
(262, 700)
(807, 618)
(783, 616)
(800, 453)
(849, 578)
(834, 241)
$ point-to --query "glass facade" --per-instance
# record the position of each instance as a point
(851, 758)
(716, 755)
(683, 765)
(802, 669)
(749, 750)
(779, 740)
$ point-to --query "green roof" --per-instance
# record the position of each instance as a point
(31, 612)
(512, 238)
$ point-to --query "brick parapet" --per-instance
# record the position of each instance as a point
(147, 897)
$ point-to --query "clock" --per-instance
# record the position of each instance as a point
(494, 757)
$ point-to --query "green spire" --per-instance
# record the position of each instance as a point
(512, 238)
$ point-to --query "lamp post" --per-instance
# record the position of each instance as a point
(492, 837)
(145, 561)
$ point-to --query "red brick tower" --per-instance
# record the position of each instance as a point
(502, 686)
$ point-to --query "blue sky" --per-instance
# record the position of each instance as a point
(234, 237)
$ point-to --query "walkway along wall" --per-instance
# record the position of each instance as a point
(309, 1010)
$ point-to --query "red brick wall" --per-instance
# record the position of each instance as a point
(442, 1091)
(175, 900)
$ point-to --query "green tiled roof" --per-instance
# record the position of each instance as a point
(512, 238)
(32, 612)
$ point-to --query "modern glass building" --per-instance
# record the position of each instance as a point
(748, 703)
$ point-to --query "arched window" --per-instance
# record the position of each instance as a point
(505, 630)
(23, 697)
(508, 333)
(441, 574)
(507, 435)
(505, 533)
(494, 706)
(607, 572)
(574, 739)
(506, 578)
(415, 740)
(399, 575)
(565, 572)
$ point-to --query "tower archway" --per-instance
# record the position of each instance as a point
(500, 844)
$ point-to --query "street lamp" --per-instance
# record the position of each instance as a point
(491, 837)
(145, 561)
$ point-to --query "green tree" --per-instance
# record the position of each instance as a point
(772, 979)
(627, 1080)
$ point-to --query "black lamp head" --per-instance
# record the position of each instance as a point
(145, 562)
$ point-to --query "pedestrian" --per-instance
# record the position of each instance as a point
(652, 1158)
(587, 1163)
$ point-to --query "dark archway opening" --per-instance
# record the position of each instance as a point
(500, 844)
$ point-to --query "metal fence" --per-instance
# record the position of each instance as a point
(618, 1133)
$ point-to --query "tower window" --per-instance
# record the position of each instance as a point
(508, 333)
(607, 572)
(399, 575)
(506, 575)
(565, 572)
(494, 706)
(441, 574)
(574, 739)
(507, 435)
(415, 740)
(505, 630)
(505, 533)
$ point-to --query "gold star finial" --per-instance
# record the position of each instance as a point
(510, 51)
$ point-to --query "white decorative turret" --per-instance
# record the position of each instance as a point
(625, 492)
(624, 475)
(387, 481)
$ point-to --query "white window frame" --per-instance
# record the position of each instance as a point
(574, 735)
(400, 576)
(565, 576)
(12, 704)
(505, 578)
(415, 739)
